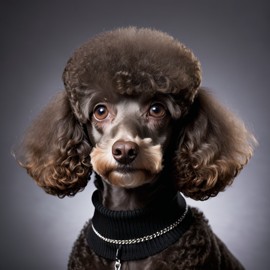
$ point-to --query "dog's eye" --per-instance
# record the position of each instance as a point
(157, 110)
(101, 112)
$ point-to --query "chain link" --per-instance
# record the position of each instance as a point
(117, 265)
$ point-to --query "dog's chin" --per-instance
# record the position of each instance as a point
(129, 178)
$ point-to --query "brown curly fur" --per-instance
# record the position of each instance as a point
(213, 145)
(55, 152)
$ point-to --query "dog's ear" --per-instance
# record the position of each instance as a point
(55, 150)
(214, 148)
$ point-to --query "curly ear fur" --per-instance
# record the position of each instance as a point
(55, 151)
(215, 147)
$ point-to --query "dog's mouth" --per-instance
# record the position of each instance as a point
(129, 177)
(126, 169)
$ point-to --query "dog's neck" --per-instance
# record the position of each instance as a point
(135, 224)
(122, 199)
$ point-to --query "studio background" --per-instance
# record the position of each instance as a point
(232, 41)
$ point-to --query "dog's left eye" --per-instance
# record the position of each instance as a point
(157, 110)
(101, 112)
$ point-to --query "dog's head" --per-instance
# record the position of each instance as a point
(132, 100)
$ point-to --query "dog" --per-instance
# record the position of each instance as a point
(134, 113)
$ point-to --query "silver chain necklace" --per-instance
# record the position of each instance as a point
(144, 238)
(149, 237)
(117, 265)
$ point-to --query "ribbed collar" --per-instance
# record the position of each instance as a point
(126, 225)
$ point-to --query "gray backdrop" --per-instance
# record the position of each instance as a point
(231, 38)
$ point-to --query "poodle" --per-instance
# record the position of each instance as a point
(134, 113)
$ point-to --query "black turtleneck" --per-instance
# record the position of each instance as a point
(135, 224)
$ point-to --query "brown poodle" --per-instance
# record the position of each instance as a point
(134, 113)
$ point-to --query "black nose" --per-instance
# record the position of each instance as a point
(125, 151)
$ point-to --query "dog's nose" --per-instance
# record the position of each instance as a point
(125, 151)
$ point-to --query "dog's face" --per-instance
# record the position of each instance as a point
(130, 136)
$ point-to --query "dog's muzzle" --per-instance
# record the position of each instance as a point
(127, 163)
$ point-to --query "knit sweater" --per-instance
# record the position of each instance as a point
(197, 248)
(140, 233)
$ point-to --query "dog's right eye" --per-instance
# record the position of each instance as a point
(101, 112)
(157, 110)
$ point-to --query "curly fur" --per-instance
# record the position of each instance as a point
(211, 145)
(215, 147)
(55, 151)
(132, 61)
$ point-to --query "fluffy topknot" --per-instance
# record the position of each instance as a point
(132, 61)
